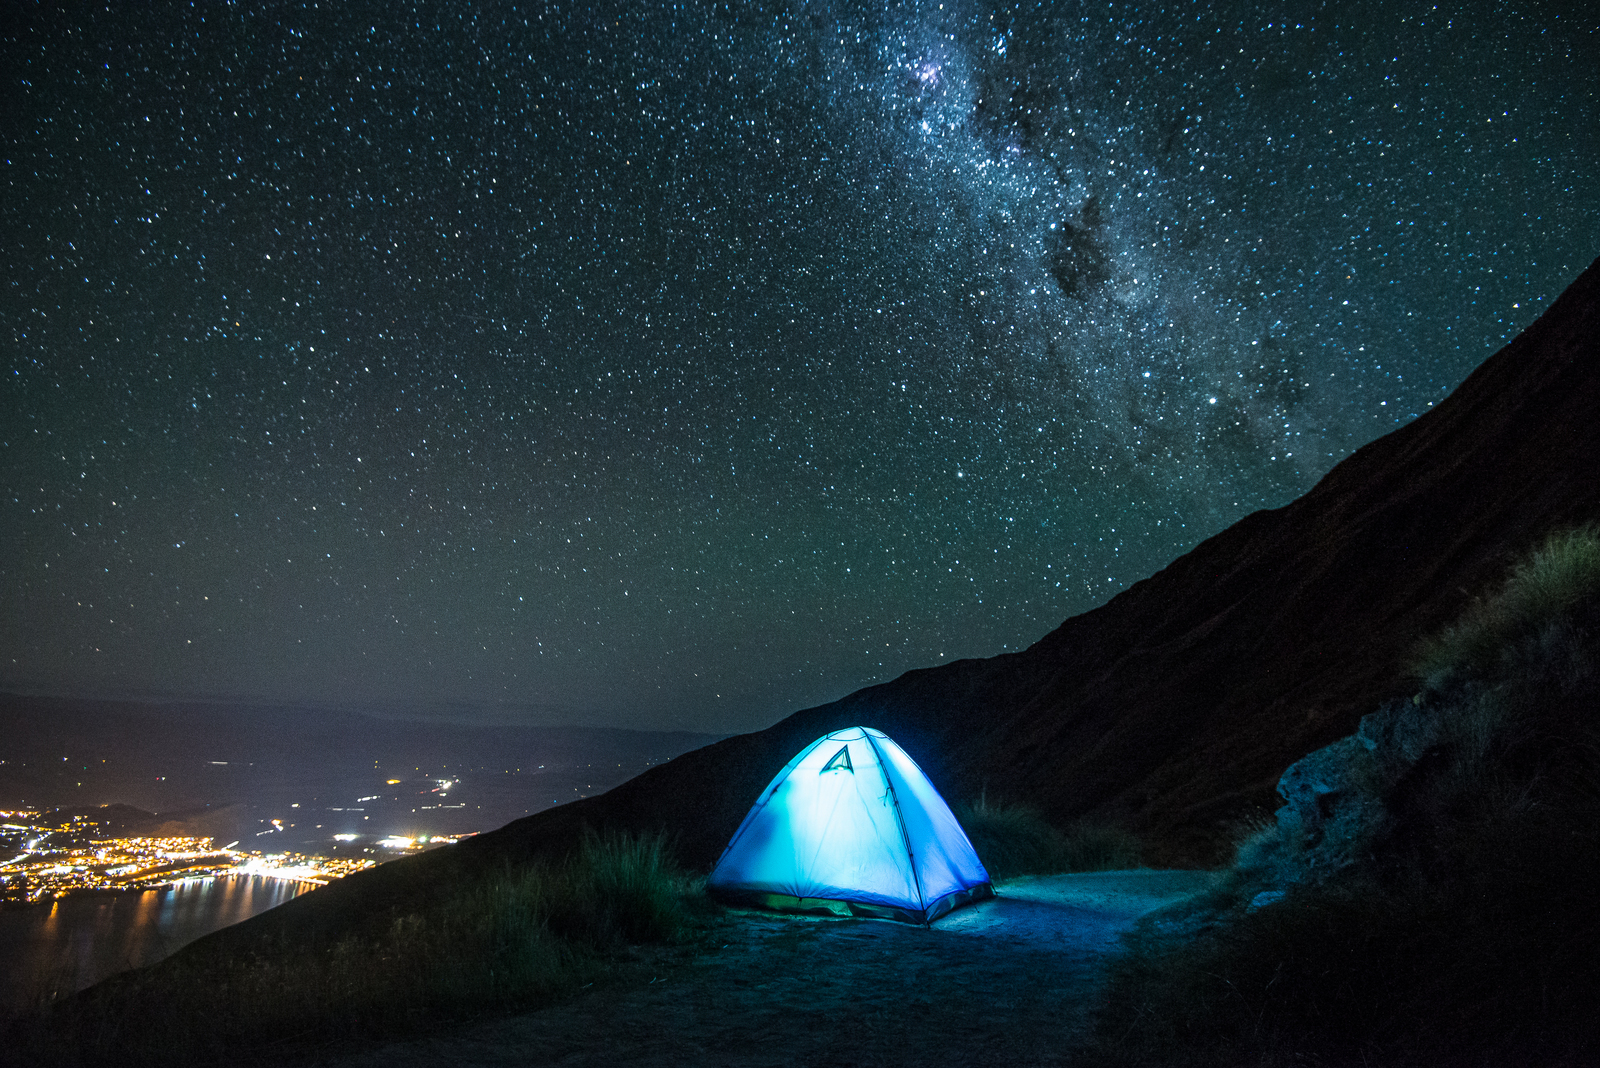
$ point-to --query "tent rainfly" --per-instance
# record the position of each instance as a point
(851, 827)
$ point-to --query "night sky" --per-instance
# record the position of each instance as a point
(681, 365)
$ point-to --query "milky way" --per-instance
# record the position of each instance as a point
(682, 365)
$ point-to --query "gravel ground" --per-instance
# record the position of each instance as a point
(1006, 982)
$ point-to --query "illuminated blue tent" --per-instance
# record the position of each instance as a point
(851, 827)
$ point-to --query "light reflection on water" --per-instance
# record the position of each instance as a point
(53, 948)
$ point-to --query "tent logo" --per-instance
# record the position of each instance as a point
(840, 761)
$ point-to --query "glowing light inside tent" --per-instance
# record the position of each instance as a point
(852, 820)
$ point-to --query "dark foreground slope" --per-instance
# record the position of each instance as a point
(1175, 707)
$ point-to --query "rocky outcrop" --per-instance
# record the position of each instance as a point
(1334, 806)
(1505, 725)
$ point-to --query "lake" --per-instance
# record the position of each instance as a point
(74, 942)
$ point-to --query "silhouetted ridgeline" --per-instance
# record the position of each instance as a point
(1174, 708)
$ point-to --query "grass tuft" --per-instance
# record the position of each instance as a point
(1548, 584)
(618, 890)
(1013, 840)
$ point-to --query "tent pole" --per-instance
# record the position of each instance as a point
(900, 821)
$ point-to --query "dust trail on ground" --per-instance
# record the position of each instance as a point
(1006, 982)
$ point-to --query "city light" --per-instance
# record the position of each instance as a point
(53, 857)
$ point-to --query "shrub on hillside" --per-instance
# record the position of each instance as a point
(1014, 840)
(1542, 589)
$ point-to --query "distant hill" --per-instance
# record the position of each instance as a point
(226, 770)
(1174, 708)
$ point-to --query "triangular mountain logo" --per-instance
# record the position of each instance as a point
(840, 761)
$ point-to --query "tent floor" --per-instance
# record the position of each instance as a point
(827, 906)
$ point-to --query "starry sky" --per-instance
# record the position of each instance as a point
(685, 364)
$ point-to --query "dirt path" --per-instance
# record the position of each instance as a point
(1006, 982)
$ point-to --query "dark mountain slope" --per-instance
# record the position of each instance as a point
(1175, 707)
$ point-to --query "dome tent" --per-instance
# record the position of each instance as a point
(851, 826)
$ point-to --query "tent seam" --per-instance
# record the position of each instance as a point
(900, 821)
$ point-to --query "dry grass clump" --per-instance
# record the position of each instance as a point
(510, 939)
(1542, 588)
(1014, 840)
